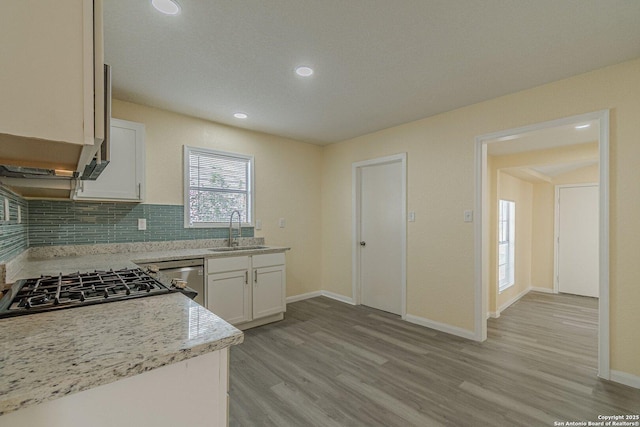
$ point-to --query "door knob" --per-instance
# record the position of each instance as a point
(363, 243)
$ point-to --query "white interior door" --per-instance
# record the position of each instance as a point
(381, 236)
(577, 264)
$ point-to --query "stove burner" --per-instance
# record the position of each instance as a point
(54, 292)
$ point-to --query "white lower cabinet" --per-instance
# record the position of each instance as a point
(247, 291)
(229, 296)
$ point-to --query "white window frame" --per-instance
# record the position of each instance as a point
(247, 222)
(510, 241)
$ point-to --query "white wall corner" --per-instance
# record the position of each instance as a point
(442, 327)
(300, 297)
(625, 378)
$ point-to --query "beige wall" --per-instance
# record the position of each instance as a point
(287, 180)
(440, 270)
(520, 192)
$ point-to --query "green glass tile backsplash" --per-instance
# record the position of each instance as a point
(13, 234)
(76, 223)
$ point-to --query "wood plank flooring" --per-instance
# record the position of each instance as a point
(333, 364)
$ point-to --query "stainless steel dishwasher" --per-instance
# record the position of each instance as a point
(191, 270)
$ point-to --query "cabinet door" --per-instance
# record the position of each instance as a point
(123, 178)
(268, 291)
(228, 296)
(47, 74)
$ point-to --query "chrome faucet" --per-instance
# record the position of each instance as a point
(231, 228)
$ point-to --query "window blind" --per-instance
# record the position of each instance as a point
(218, 184)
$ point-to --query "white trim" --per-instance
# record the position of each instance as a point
(603, 315)
(338, 297)
(625, 378)
(442, 327)
(493, 314)
(542, 290)
(512, 301)
(300, 297)
(355, 226)
(481, 246)
(314, 294)
(556, 231)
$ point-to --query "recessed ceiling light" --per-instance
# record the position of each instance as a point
(168, 7)
(304, 71)
(583, 126)
(240, 115)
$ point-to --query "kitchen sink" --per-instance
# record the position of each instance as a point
(237, 248)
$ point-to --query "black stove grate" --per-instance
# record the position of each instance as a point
(78, 289)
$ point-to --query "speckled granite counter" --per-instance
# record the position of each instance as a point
(49, 355)
(34, 267)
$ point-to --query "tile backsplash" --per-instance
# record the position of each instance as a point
(14, 232)
(76, 223)
(52, 223)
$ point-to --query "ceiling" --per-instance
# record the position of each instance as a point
(377, 63)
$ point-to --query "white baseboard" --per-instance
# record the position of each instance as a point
(338, 297)
(442, 327)
(300, 297)
(314, 294)
(543, 290)
(625, 378)
(513, 300)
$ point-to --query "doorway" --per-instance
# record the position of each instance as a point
(379, 233)
(482, 226)
(576, 240)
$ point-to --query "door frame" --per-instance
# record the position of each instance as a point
(556, 230)
(481, 229)
(356, 169)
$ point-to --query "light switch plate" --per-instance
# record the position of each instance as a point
(412, 216)
(258, 224)
(281, 223)
(142, 224)
(468, 216)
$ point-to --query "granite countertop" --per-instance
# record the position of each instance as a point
(34, 267)
(49, 355)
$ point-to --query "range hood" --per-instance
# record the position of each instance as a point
(45, 169)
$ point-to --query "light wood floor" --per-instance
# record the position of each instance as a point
(332, 364)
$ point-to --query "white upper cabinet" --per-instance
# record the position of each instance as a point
(124, 178)
(51, 80)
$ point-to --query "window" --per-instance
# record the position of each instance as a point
(216, 184)
(506, 244)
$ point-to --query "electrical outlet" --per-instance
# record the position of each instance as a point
(468, 216)
(281, 223)
(258, 224)
(7, 215)
(142, 224)
(412, 216)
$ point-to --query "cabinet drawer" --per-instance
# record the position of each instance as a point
(217, 265)
(267, 260)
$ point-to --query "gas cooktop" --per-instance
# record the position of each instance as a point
(48, 293)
